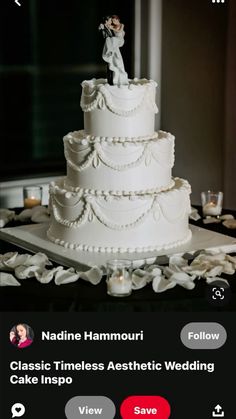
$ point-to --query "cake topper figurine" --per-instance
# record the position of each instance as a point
(113, 33)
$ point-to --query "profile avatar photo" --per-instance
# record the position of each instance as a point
(21, 335)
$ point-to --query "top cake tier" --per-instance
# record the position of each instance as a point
(121, 111)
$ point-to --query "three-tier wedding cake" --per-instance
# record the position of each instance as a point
(119, 194)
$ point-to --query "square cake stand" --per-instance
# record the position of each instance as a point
(33, 238)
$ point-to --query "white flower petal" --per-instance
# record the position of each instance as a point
(214, 271)
(230, 224)
(167, 272)
(160, 284)
(210, 256)
(6, 216)
(231, 259)
(23, 272)
(227, 217)
(39, 259)
(93, 275)
(14, 260)
(176, 260)
(66, 276)
(24, 215)
(183, 279)
(140, 278)
(211, 220)
(8, 280)
(216, 278)
(228, 268)
(195, 270)
(47, 275)
(153, 270)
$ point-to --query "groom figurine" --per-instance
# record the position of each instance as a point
(107, 32)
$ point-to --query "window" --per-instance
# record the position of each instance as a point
(47, 49)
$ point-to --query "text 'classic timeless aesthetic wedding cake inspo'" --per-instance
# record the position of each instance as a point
(119, 194)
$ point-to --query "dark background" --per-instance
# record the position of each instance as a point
(47, 48)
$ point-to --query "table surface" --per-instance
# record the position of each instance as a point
(82, 296)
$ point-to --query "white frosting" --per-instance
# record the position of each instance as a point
(124, 111)
(127, 223)
(102, 164)
(119, 195)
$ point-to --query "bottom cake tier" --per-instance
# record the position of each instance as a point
(101, 221)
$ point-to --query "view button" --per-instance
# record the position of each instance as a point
(90, 406)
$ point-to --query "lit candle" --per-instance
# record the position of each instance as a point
(212, 209)
(119, 286)
(211, 203)
(31, 202)
(32, 196)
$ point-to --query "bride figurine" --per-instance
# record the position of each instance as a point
(113, 32)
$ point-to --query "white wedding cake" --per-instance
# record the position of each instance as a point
(119, 195)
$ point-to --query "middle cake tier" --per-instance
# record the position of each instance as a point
(119, 164)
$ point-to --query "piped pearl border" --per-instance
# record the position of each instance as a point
(104, 249)
(68, 191)
(81, 137)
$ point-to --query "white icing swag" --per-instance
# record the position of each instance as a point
(98, 94)
(206, 264)
(99, 152)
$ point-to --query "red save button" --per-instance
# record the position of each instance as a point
(145, 407)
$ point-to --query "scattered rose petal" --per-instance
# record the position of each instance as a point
(213, 256)
(176, 260)
(23, 272)
(6, 216)
(206, 264)
(231, 259)
(40, 215)
(66, 276)
(14, 260)
(39, 259)
(24, 215)
(153, 270)
(211, 220)
(227, 217)
(8, 280)
(37, 208)
(93, 275)
(214, 271)
(140, 278)
(5, 257)
(230, 224)
(47, 275)
(198, 272)
(216, 278)
(183, 279)
(160, 284)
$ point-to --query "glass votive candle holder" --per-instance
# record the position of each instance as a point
(211, 203)
(32, 196)
(119, 281)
